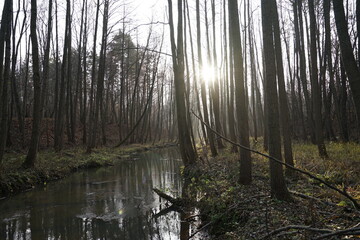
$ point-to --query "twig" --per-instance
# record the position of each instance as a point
(342, 192)
(165, 211)
(200, 229)
(349, 231)
(167, 197)
(298, 227)
(313, 198)
(212, 222)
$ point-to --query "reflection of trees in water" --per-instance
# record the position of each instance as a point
(108, 203)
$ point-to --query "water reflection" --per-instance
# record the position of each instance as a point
(106, 203)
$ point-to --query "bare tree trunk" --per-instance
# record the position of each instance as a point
(277, 181)
(101, 74)
(35, 134)
(92, 140)
(14, 88)
(188, 153)
(5, 41)
(351, 68)
(231, 107)
(253, 73)
(300, 43)
(283, 101)
(216, 89)
(77, 97)
(194, 69)
(59, 126)
(242, 111)
(315, 91)
(202, 82)
(46, 59)
(85, 76)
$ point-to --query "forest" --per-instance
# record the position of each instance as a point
(259, 100)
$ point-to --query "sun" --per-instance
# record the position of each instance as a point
(207, 73)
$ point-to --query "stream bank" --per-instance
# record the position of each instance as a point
(103, 203)
(52, 166)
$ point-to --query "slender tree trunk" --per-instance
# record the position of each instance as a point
(14, 86)
(315, 90)
(300, 43)
(5, 41)
(92, 140)
(188, 153)
(231, 106)
(278, 186)
(350, 65)
(202, 82)
(283, 101)
(59, 127)
(216, 88)
(84, 60)
(35, 134)
(242, 111)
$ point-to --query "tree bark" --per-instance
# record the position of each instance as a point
(283, 100)
(277, 181)
(315, 89)
(35, 134)
(5, 41)
(240, 96)
(350, 65)
(202, 82)
(188, 153)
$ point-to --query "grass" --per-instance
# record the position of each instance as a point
(342, 166)
(249, 212)
(51, 166)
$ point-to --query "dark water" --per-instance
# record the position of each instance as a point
(106, 203)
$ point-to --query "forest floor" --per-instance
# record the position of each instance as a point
(232, 211)
(51, 166)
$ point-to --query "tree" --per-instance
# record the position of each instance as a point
(351, 68)
(240, 97)
(202, 82)
(100, 79)
(91, 138)
(188, 153)
(283, 101)
(61, 108)
(35, 134)
(315, 90)
(277, 181)
(5, 36)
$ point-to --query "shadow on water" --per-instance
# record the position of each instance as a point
(106, 203)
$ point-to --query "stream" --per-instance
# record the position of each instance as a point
(105, 203)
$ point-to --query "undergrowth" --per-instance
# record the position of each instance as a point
(248, 212)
